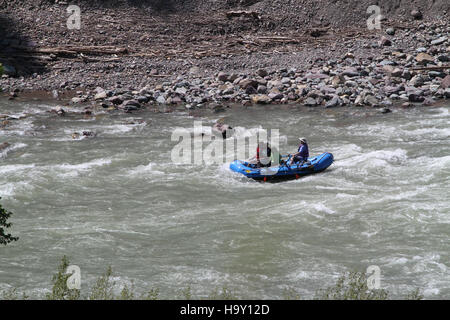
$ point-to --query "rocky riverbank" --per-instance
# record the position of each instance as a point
(404, 63)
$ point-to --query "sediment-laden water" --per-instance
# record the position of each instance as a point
(116, 199)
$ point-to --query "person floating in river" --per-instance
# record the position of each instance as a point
(303, 152)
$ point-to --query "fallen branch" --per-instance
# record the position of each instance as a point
(432, 68)
(252, 14)
(73, 50)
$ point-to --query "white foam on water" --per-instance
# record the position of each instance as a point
(373, 159)
(11, 189)
(16, 168)
(144, 170)
(12, 147)
(119, 128)
(320, 207)
(19, 128)
(72, 170)
(425, 163)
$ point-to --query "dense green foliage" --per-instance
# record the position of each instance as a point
(1, 69)
(5, 238)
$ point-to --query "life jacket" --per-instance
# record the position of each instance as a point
(269, 152)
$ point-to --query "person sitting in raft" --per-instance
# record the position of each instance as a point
(263, 157)
(303, 152)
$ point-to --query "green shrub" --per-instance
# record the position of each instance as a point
(226, 294)
(186, 293)
(5, 238)
(152, 294)
(104, 287)
(291, 294)
(415, 295)
(352, 287)
(12, 294)
(60, 291)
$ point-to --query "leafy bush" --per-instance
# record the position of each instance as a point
(12, 294)
(352, 287)
(104, 287)
(60, 291)
(226, 294)
(5, 238)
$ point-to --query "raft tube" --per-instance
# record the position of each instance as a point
(284, 172)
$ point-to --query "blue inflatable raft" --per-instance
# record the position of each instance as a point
(284, 171)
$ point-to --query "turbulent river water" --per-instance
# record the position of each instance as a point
(116, 199)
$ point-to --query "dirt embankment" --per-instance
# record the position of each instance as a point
(131, 44)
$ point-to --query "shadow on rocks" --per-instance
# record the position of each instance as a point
(17, 51)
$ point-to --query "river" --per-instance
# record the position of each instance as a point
(117, 199)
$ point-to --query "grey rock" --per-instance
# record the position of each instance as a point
(389, 90)
(250, 90)
(261, 99)
(445, 83)
(390, 31)
(436, 74)
(416, 96)
(100, 95)
(443, 58)
(77, 100)
(334, 102)
(262, 89)
(244, 84)
(181, 90)
(371, 100)
(351, 72)
(262, 73)
(115, 100)
(286, 80)
(142, 99)
(439, 41)
(385, 42)
(310, 102)
(416, 81)
(276, 96)
(132, 103)
(416, 14)
(222, 76)
(161, 99)
(447, 93)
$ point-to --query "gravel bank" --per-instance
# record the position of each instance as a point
(209, 53)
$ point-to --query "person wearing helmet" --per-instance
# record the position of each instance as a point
(302, 154)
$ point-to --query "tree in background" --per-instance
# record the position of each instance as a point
(5, 238)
